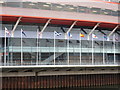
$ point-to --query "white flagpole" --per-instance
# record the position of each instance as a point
(103, 50)
(54, 47)
(80, 47)
(11, 54)
(92, 51)
(114, 48)
(37, 48)
(5, 50)
(8, 51)
(21, 49)
(68, 49)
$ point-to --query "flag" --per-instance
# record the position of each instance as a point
(70, 35)
(57, 33)
(94, 36)
(23, 33)
(116, 39)
(7, 32)
(81, 35)
(105, 37)
(39, 34)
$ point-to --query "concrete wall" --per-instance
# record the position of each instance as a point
(58, 14)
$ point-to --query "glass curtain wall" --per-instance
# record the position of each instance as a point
(41, 50)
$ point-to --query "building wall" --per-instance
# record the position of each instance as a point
(58, 14)
(45, 50)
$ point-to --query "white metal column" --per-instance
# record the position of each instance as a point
(80, 48)
(114, 47)
(5, 49)
(21, 48)
(0, 55)
(103, 50)
(37, 59)
(54, 47)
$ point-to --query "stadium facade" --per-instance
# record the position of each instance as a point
(59, 34)
(39, 21)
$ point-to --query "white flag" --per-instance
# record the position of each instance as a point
(70, 35)
(94, 36)
(7, 32)
(57, 33)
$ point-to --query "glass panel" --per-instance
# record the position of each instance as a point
(118, 13)
(115, 13)
(95, 10)
(47, 58)
(1, 51)
(70, 8)
(2, 3)
(98, 58)
(13, 4)
(30, 5)
(106, 12)
(118, 58)
(86, 58)
(14, 52)
(58, 7)
(89, 54)
(61, 53)
(114, 0)
(60, 58)
(8, 26)
(74, 58)
(15, 58)
(83, 9)
(29, 50)
(45, 50)
(110, 58)
(46, 6)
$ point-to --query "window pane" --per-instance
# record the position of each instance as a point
(106, 11)
(115, 13)
(70, 8)
(30, 5)
(46, 6)
(58, 7)
(95, 10)
(83, 9)
(13, 4)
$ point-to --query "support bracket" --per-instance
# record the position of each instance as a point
(46, 24)
(70, 28)
(113, 31)
(15, 26)
(93, 29)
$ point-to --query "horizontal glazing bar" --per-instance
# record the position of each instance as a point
(62, 49)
